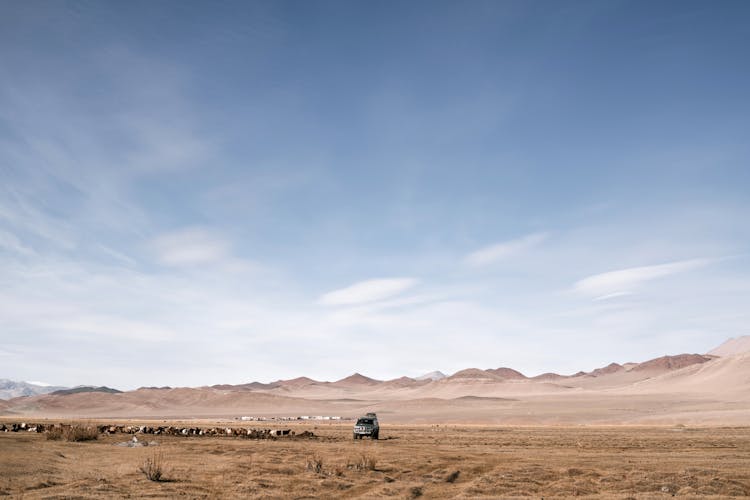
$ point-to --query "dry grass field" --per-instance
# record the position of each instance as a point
(408, 462)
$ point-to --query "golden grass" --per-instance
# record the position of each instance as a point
(72, 433)
(364, 461)
(407, 462)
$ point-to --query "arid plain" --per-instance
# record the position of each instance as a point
(407, 462)
(675, 425)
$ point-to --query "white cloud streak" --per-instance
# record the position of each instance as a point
(500, 251)
(613, 295)
(622, 281)
(367, 291)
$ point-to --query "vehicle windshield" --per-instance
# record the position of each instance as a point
(364, 421)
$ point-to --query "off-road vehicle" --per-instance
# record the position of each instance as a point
(367, 426)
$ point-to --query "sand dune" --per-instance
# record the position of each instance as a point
(728, 376)
(732, 347)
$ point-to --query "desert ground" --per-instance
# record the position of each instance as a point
(409, 461)
(675, 425)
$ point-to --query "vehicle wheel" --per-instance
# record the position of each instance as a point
(355, 437)
(375, 435)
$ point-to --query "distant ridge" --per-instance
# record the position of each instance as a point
(610, 368)
(613, 373)
(85, 388)
(11, 389)
(664, 363)
(549, 376)
(671, 362)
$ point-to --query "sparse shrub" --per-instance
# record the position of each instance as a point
(451, 478)
(363, 462)
(416, 492)
(153, 467)
(315, 464)
(76, 433)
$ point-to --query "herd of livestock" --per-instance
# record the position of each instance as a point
(167, 430)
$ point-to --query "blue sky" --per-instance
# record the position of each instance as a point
(198, 193)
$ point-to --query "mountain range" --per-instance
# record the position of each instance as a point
(12, 389)
(699, 388)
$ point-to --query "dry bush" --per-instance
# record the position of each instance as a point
(451, 478)
(54, 434)
(315, 464)
(363, 462)
(153, 467)
(76, 433)
(416, 492)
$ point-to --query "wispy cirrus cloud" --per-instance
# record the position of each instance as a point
(367, 291)
(21, 212)
(613, 295)
(499, 251)
(190, 246)
(10, 241)
(621, 282)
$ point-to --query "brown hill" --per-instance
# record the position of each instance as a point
(472, 374)
(296, 382)
(610, 368)
(356, 379)
(404, 382)
(549, 376)
(666, 363)
(507, 373)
